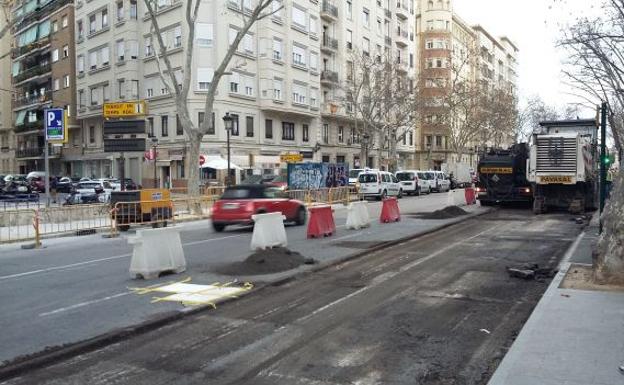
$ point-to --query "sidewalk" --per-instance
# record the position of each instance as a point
(573, 337)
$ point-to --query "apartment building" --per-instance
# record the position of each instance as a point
(383, 30)
(43, 63)
(448, 48)
(7, 138)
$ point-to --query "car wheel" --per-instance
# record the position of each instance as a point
(400, 194)
(301, 216)
(218, 227)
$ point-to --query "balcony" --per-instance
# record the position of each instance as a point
(329, 11)
(329, 44)
(329, 77)
(46, 97)
(17, 52)
(32, 72)
(39, 13)
(29, 126)
(401, 66)
(37, 152)
(402, 38)
(402, 9)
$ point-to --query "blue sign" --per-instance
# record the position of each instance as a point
(54, 123)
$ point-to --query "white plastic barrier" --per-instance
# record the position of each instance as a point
(358, 216)
(268, 231)
(156, 251)
(455, 198)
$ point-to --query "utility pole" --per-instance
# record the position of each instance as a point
(603, 165)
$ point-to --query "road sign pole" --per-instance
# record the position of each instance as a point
(47, 170)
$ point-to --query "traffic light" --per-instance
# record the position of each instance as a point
(608, 159)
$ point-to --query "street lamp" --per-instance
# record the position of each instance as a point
(154, 153)
(227, 119)
(365, 139)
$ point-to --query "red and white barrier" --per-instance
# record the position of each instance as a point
(470, 195)
(390, 211)
(357, 216)
(268, 231)
(321, 222)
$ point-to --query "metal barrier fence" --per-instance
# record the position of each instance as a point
(203, 191)
(332, 195)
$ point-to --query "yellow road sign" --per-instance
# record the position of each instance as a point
(124, 109)
(291, 158)
(565, 179)
(496, 170)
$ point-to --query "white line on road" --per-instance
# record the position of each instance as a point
(81, 304)
(62, 267)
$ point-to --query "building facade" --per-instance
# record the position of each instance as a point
(7, 138)
(43, 65)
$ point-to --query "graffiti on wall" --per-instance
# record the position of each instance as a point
(305, 176)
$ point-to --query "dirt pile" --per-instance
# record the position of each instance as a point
(267, 261)
(445, 213)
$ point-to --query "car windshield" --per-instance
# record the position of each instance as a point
(273, 193)
(405, 176)
(367, 178)
(430, 175)
(242, 193)
(354, 173)
(88, 185)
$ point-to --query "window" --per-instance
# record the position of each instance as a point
(234, 82)
(366, 46)
(80, 64)
(55, 55)
(81, 98)
(164, 125)
(149, 88)
(106, 92)
(133, 9)
(93, 60)
(349, 10)
(340, 134)
(428, 141)
(299, 17)
(211, 124)
(148, 47)
(313, 97)
(134, 89)
(54, 26)
(92, 24)
(379, 27)
(179, 128)
(299, 55)
(248, 45)
(313, 26)
(204, 78)
(277, 89)
(299, 94)
(91, 134)
(349, 70)
(150, 127)
(65, 51)
(366, 17)
(277, 49)
(268, 129)
(430, 25)
(66, 81)
(64, 21)
(438, 141)
(349, 39)
(105, 56)
(104, 18)
(121, 89)
(80, 29)
(57, 84)
(132, 47)
(249, 85)
(177, 37)
(325, 133)
(235, 127)
(204, 34)
(288, 131)
(120, 10)
(314, 60)
(249, 123)
(411, 138)
(306, 133)
(121, 54)
(94, 97)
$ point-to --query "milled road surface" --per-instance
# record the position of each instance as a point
(436, 310)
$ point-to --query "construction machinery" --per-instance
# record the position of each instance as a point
(502, 176)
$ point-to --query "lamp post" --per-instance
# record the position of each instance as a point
(429, 150)
(154, 153)
(227, 120)
(365, 139)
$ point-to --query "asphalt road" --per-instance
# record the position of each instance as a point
(77, 288)
(436, 310)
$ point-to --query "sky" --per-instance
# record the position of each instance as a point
(534, 26)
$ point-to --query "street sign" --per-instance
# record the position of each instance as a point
(126, 109)
(120, 127)
(202, 160)
(54, 124)
(291, 158)
(124, 145)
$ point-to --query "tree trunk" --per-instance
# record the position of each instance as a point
(608, 258)
(193, 168)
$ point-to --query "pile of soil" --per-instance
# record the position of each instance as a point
(267, 261)
(445, 213)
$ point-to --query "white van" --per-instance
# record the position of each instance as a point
(379, 184)
(441, 181)
(413, 182)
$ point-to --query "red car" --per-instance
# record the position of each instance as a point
(239, 203)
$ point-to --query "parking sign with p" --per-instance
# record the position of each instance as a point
(54, 124)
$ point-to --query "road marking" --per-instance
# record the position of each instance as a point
(63, 267)
(390, 274)
(82, 304)
(213, 239)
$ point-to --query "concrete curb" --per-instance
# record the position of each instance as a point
(53, 355)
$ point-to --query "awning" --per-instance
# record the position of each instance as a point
(19, 120)
(218, 163)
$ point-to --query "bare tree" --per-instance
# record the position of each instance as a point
(179, 86)
(596, 71)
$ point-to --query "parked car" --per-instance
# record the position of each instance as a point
(354, 173)
(65, 185)
(278, 181)
(413, 182)
(239, 203)
(37, 183)
(379, 184)
(103, 189)
(440, 181)
(130, 185)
